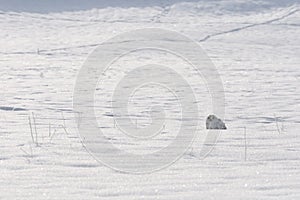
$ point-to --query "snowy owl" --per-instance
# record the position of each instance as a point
(212, 122)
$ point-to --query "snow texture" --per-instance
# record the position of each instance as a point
(254, 45)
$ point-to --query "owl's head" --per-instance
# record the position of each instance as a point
(211, 117)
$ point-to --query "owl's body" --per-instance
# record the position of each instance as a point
(212, 122)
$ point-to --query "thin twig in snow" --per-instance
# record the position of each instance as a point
(78, 119)
(276, 124)
(245, 137)
(31, 129)
(52, 135)
(28, 160)
(62, 114)
(36, 134)
(64, 129)
(49, 135)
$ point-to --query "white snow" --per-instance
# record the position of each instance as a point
(255, 46)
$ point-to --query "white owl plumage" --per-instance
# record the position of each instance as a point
(213, 122)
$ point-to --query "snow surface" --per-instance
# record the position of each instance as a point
(255, 46)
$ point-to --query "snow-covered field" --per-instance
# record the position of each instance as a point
(254, 45)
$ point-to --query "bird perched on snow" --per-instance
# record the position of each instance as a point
(212, 122)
